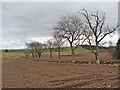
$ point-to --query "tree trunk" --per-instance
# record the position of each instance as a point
(26, 55)
(97, 54)
(39, 55)
(32, 55)
(59, 53)
(72, 52)
(50, 55)
(73, 55)
(36, 55)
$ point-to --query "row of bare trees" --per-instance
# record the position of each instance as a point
(91, 29)
(35, 49)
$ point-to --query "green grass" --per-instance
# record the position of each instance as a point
(81, 50)
(0, 55)
(67, 51)
(16, 51)
(12, 56)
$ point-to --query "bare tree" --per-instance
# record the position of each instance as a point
(26, 53)
(36, 49)
(30, 47)
(50, 45)
(70, 28)
(39, 48)
(58, 42)
(96, 30)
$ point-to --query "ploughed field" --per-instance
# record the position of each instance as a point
(44, 74)
(21, 72)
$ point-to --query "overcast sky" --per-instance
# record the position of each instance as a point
(26, 21)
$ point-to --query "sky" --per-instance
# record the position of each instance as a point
(119, 19)
(29, 21)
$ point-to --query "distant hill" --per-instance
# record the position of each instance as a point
(93, 47)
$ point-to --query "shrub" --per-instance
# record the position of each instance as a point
(6, 50)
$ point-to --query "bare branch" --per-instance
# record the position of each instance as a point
(86, 15)
(109, 32)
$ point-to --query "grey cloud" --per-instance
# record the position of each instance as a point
(25, 20)
(119, 18)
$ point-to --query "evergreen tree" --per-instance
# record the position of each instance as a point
(118, 49)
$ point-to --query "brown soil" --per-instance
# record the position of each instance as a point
(84, 56)
(42, 74)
